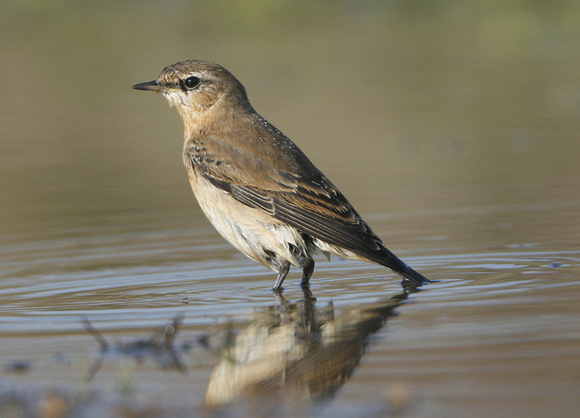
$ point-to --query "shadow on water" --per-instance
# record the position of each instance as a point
(298, 350)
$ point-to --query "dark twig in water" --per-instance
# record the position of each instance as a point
(89, 327)
(159, 347)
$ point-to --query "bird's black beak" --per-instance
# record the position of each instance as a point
(150, 85)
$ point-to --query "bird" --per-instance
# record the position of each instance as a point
(256, 186)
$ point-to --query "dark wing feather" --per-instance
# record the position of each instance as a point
(355, 236)
(300, 196)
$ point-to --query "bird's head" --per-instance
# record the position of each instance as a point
(199, 89)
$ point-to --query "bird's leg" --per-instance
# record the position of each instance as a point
(282, 272)
(307, 271)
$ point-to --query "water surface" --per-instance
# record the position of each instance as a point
(455, 138)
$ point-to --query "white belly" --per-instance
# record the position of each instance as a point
(252, 231)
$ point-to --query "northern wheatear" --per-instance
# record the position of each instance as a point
(258, 189)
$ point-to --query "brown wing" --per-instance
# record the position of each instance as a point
(298, 194)
(275, 176)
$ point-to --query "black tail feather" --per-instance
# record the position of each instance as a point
(390, 260)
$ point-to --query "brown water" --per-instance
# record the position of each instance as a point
(455, 134)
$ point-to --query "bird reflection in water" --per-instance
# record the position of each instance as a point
(297, 349)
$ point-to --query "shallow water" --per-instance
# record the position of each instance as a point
(499, 324)
(458, 146)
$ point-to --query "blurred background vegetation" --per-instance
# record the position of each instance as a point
(426, 103)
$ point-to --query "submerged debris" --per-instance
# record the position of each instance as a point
(160, 347)
(17, 366)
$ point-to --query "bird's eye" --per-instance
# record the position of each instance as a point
(190, 82)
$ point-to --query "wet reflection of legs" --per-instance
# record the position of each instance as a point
(297, 349)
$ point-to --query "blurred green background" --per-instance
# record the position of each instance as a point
(405, 105)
